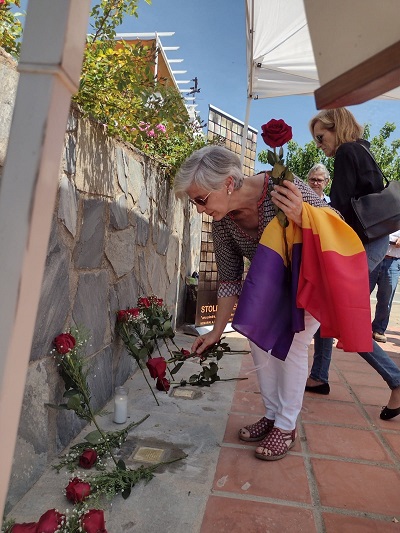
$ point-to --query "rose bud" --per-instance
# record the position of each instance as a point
(93, 521)
(77, 490)
(144, 302)
(64, 343)
(276, 133)
(122, 316)
(50, 521)
(88, 458)
(163, 384)
(184, 352)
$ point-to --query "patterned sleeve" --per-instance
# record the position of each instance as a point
(229, 261)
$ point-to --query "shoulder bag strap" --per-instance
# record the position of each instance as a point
(379, 168)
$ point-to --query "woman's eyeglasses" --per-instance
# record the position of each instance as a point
(319, 138)
(200, 201)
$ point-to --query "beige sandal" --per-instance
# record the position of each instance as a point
(276, 445)
(257, 431)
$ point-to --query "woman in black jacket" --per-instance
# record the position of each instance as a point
(338, 135)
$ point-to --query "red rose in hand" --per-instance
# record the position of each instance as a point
(77, 490)
(26, 527)
(157, 367)
(184, 352)
(144, 302)
(276, 133)
(93, 521)
(163, 384)
(64, 343)
(50, 521)
(88, 458)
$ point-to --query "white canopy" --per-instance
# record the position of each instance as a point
(280, 57)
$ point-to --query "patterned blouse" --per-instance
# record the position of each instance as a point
(232, 243)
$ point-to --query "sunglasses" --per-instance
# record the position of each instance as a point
(316, 180)
(200, 201)
(319, 138)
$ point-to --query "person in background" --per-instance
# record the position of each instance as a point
(318, 178)
(241, 208)
(385, 276)
(338, 134)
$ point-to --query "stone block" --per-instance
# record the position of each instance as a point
(122, 168)
(68, 205)
(120, 248)
(142, 227)
(100, 380)
(135, 178)
(8, 83)
(54, 303)
(95, 165)
(88, 251)
(119, 213)
(91, 308)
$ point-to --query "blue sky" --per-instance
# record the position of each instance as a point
(211, 36)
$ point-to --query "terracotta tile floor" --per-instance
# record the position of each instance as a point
(343, 474)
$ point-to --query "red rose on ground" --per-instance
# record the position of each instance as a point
(184, 352)
(88, 458)
(50, 521)
(160, 301)
(133, 312)
(77, 490)
(157, 367)
(64, 343)
(163, 384)
(93, 521)
(26, 527)
(276, 133)
(144, 302)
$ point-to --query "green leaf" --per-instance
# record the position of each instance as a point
(74, 403)
(121, 465)
(177, 368)
(94, 437)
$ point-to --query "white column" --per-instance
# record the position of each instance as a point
(50, 65)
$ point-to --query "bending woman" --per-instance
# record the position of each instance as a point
(241, 208)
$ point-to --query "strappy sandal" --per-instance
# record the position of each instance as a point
(276, 445)
(257, 431)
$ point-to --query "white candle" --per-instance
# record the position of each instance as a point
(120, 405)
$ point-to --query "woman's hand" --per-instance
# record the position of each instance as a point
(289, 199)
(205, 341)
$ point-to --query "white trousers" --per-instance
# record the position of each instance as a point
(282, 383)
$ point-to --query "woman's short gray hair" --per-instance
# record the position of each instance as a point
(319, 167)
(208, 168)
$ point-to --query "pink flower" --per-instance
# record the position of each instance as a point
(151, 133)
(161, 127)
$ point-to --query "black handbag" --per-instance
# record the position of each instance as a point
(379, 212)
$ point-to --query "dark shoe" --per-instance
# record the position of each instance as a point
(387, 414)
(379, 337)
(324, 388)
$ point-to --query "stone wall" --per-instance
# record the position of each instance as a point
(118, 233)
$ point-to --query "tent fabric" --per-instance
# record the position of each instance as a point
(280, 57)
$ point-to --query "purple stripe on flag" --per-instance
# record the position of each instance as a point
(267, 312)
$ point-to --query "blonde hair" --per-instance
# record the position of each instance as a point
(341, 121)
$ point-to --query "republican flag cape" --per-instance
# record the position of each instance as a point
(327, 275)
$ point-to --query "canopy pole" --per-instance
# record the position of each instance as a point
(245, 130)
(50, 66)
